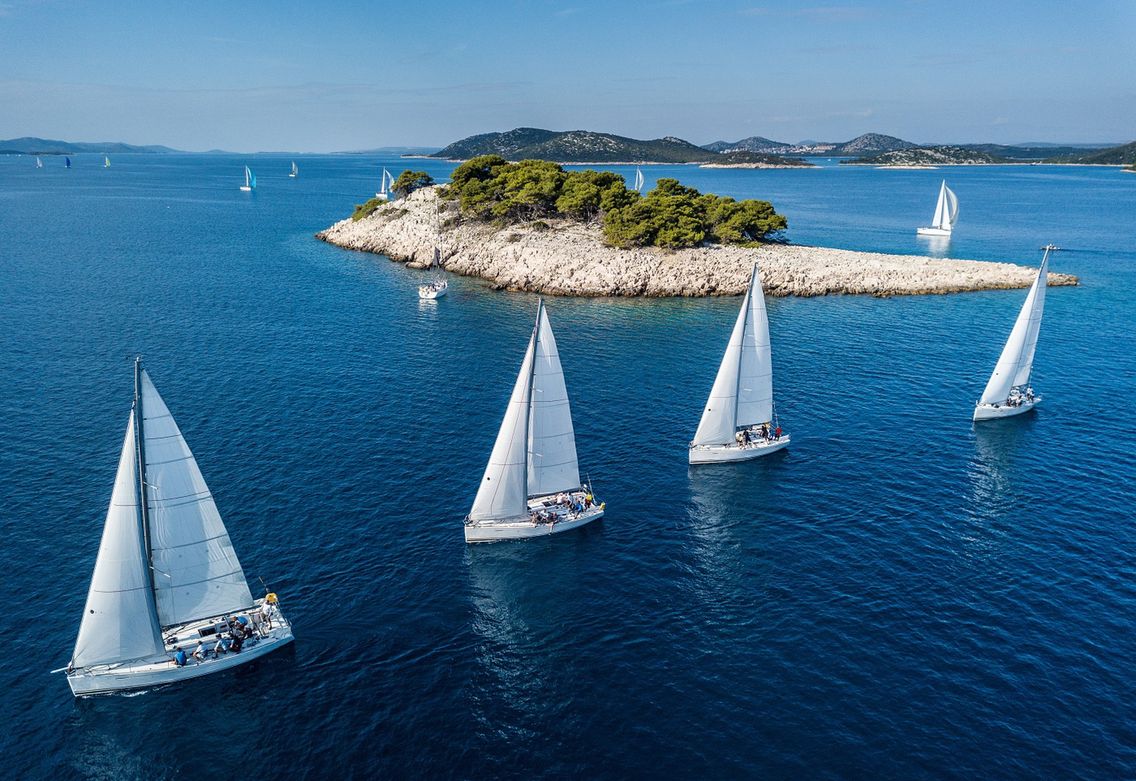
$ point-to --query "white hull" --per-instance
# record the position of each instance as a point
(432, 291)
(103, 679)
(382, 196)
(563, 520)
(245, 189)
(720, 454)
(992, 412)
(291, 176)
(933, 231)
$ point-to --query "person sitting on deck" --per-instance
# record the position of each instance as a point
(777, 433)
(222, 647)
(199, 652)
(179, 656)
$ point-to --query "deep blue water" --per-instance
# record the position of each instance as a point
(900, 595)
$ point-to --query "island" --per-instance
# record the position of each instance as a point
(927, 156)
(535, 227)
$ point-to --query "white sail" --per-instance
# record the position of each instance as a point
(638, 179)
(503, 492)
(743, 390)
(295, 170)
(1016, 362)
(383, 187)
(755, 374)
(106, 162)
(39, 163)
(119, 623)
(552, 465)
(196, 571)
(941, 219)
(952, 207)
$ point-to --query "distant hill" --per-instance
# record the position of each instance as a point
(1028, 152)
(1125, 154)
(755, 160)
(575, 146)
(757, 144)
(929, 155)
(871, 144)
(47, 146)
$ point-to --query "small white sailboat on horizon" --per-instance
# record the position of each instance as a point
(1009, 391)
(740, 420)
(946, 214)
(250, 181)
(295, 171)
(531, 486)
(39, 163)
(106, 162)
(386, 189)
(638, 180)
(168, 599)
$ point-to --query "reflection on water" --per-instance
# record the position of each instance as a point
(995, 472)
(936, 246)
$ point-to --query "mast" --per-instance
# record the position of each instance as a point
(143, 496)
(745, 324)
(528, 407)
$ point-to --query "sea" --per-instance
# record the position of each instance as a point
(900, 594)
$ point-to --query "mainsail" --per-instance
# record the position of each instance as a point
(119, 622)
(1016, 362)
(743, 390)
(196, 571)
(638, 179)
(552, 464)
(946, 208)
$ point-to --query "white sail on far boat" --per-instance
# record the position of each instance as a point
(386, 188)
(638, 179)
(168, 599)
(106, 162)
(531, 486)
(295, 171)
(39, 163)
(1009, 390)
(946, 214)
(250, 181)
(740, 421)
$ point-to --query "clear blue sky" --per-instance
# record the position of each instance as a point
(309, 76)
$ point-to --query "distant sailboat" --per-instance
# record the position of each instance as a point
(1009, 391)
(386, 189)
(946, 214)
(39, 163)
(531, 486)
(638, 179)
(740, 422)
(67, 162)
(106, 162)
(295, 171)
(167, 580)
(250, 181)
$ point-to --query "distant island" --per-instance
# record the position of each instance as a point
(995, 154)
(499, 222)
(47, 146)
(924, 156)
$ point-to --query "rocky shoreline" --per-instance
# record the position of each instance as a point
(569, 259)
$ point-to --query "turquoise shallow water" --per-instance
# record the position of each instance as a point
(900, 594)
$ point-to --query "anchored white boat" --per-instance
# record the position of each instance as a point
(1009, 391)
(167, 581)
(946, 214)
(386, 189)
(438, 287)
(740, 421)
(295, 171)
(531, 486)
(250, 181)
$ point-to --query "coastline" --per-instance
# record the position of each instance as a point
(569, 259)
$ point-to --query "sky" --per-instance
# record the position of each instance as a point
(318, 77)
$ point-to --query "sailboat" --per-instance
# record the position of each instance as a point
(250, 181)
(167, 579)
(439, 286)
(295, 171)
(66, 162)
(946, 214)
(1009, 391)
(386, 189)
(638, 179)
(532, 486)
(740, 422)
(106, 162)
(39, 163)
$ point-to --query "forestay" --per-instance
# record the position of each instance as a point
(1016, 362)
(196, 571)
(552, 464)
(118, 620)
